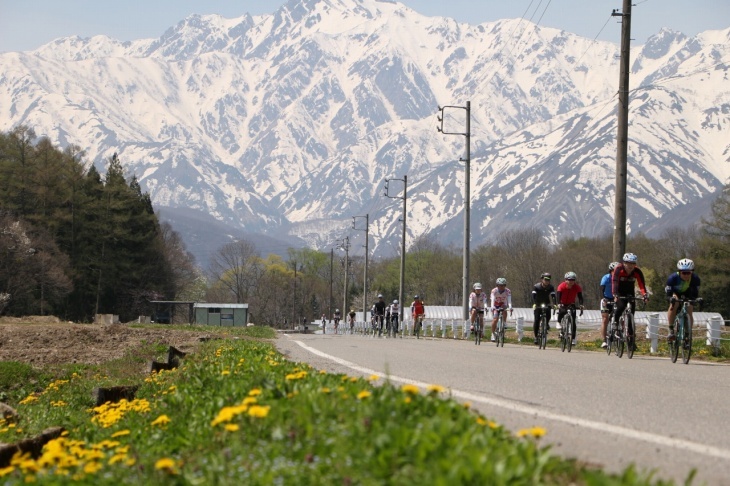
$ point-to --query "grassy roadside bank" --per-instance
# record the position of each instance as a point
(237, 412)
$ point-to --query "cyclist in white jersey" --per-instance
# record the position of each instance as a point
(500, 298)
(477, 303)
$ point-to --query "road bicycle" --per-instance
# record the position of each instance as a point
(501, 324)
(352, 324)
(478, 327)
(542, 330)
(378, 324)
(626, 331)
(418, 325)
(683, 328)
(567, 332)
(611, 330)
(393, 327)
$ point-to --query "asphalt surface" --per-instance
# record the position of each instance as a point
(609, 412)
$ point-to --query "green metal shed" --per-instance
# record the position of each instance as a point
(221, 314)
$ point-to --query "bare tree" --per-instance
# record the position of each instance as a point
(236, 267)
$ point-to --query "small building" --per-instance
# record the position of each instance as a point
(221, 314)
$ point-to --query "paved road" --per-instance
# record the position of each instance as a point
(604, 410)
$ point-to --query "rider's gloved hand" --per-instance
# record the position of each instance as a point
(534, 306)
(673, 299)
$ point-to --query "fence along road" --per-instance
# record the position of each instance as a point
(600, 409)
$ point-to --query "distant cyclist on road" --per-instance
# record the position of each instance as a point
(477, 304)
(418, 311)
(625, 277)
(542, 293)
(607, 300)
(683, 283)
(380, 313)
(337, 318)
(352, 315)
(566, 295)
(500, 298)
(394, 316)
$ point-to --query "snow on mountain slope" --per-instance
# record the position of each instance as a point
(289, 123)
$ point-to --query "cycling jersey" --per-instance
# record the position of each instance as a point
(394, 309)
(623, 282)
(689, 289)
(543, 295)
(566, 295)
(417, 308)
(499, 299)
(379, 308)
(606, 286)
(478, 301)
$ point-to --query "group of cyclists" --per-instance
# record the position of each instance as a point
(617, 288)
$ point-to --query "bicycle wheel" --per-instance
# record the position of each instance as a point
(674, 345)
(477, 331)
(543, 333)
(630, 335)
(563, 332)
(687, 341)
(501, 331)
(622, 336)
(609, 341)
(568, 333)
(496, 330)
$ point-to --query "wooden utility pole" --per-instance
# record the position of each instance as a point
(619, 228)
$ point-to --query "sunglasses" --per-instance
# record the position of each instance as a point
(686, 273)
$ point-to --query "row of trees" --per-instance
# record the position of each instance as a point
(73, 244)
(311, 283)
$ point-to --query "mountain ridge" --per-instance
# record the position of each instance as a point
(288, 124)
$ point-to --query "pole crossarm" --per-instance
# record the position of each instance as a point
(441, 120)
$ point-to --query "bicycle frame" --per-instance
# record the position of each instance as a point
(542, 338)
(683, 326)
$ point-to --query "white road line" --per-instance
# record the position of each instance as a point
(657, 439)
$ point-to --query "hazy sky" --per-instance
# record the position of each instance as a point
(28, 25)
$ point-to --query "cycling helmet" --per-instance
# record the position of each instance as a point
(546, 275)
(337, 310)
(395, 301)
(570, 276)
(630, 258)
(612, 266)
(380, 296)
(685, 264)
(416, 297)
(477, 286)
(501, 281)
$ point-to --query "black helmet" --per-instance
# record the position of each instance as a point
(546, 275)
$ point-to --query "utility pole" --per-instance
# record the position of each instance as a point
(345, 246)
(467, 198)
(332, 262)
(403, 240)
(619, 228)
(365, 278)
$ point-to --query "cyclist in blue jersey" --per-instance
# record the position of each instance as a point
(607, 300)
(682, 283)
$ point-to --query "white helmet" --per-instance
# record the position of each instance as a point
(685, 264)
(570, 276)
(395, 301)
(630, 258)
(501, 281)
(612, 266)
(477, 286)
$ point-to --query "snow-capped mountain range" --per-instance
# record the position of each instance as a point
(288, 124)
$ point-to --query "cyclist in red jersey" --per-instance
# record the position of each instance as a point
(566, 294)
(625, 277)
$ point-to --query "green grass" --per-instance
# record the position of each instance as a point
(237, 412)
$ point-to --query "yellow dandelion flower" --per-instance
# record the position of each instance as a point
(326, 390)
(259, 411)
(353, 379)
(4, 471)
(130, 462)
(166, 464)
(161, 420)
(436, 389)
(467, 405)
(225, 372)
(117, 458)
(492, 425)
(481, 421)
(255, 392)
(249, 401)
(407, 400)
(322, 372)
(232, 427)
(537, 432)
(373, 377)
(412, 389)
(120, 433)
(29, 399)
(363, 394)
(92, 467)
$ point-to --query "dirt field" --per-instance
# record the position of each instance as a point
(47, 341)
